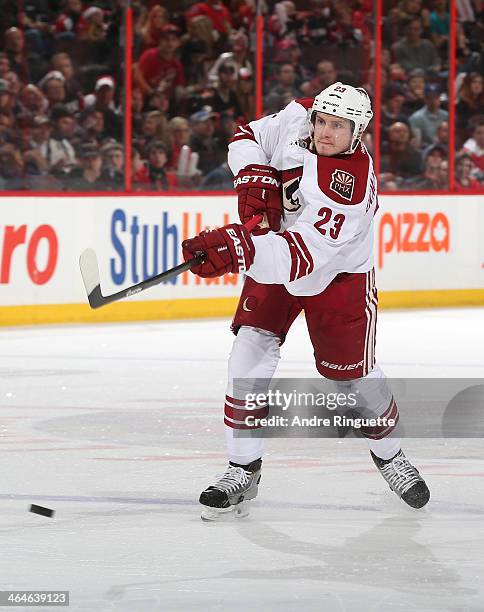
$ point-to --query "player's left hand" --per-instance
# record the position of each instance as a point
(227, 249)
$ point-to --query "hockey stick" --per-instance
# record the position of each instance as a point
(90, 275)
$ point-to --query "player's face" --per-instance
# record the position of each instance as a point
(332, 135)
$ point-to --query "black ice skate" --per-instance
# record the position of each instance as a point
(231, 491)
(403, 479)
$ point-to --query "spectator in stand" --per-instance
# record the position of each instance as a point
(157, 160)
(442, 135)
(4, 65)
(439, 27)
(15, 86)
(199, 30)
(152, 29)
(286, 13)
(218, 14)
(159, 68)
(432, 176)
(7, 127)
(50, 150)
(284, 89)
(112, 174)
(92, 122)
(6, 99)
(227, 126)
(396, 73)
(224, 97)
(65, 131)
(413, 51)
(53, 88)
(204, 142)
(140, 177)
(197, 50)
(11, 168)
(32, 101)
(246, 95)
(415, 91)
(238, 58)
(67, 23)
(154, 126)
(398, 17)
(245, 11)
(326, 75)
(287, 51)
(470, 98)
(62, 62)
(103, 100)
(157, 101)
(463, 173)
(91, 26)
(474, 146)
(399, 159)
(179, 135)
(88, 176)
(137, 104)
(425, 121)
(392, 107)
(319, 21)
(28, 65)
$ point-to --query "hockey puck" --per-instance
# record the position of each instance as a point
(41, 510)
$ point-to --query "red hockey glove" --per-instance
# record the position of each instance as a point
(227, 249)
(259, 189)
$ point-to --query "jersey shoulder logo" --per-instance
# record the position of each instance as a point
(291, 180)
(342, 183)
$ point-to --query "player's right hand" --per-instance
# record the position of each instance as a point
(259, 190)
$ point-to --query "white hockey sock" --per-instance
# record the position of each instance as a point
(386, 448)
(255, 355)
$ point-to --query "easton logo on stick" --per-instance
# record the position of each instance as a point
(343, 184)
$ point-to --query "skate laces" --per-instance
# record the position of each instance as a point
(233, 478)
(400, 473)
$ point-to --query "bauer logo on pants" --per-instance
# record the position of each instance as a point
(342, 183)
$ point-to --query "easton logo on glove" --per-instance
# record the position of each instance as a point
(227, 249)
(259, 190)
(254, 178)
(239, 250)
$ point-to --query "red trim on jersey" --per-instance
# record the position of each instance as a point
(305, 102)
(302, 262)
(244, 132)
(294, 256)
(305, 250)
(291, 173)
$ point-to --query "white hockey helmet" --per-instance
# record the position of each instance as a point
(341, 100)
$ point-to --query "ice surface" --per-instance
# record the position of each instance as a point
(118, 428)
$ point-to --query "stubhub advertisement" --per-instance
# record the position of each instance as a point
(420, 244)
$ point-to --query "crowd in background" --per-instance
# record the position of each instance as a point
(414, 144)
(61, 84)
(62, 87)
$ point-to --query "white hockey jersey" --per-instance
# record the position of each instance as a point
(329, 204)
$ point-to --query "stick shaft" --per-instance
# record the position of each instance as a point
(90, 274)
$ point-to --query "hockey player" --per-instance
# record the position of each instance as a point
(306, 169)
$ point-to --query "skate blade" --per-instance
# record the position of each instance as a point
(225, 514)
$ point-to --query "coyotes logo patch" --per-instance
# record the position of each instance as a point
(343, 184)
